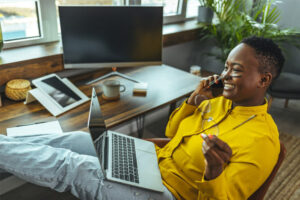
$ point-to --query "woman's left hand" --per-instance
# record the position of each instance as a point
(216, 153)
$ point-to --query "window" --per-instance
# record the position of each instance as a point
(174, 10)
(89, 2)
(19, 21)
(27, 22)
(23, 23)
(170, 6)
(192, 8)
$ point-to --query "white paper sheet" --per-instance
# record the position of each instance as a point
(43, 128)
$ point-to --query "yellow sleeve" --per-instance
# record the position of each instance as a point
(241, 178)
(177, 115)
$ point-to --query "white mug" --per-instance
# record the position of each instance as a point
(196, 70)
(112, 89)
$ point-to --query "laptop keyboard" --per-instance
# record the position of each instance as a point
(124, 164)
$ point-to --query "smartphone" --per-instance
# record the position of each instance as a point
(216, 88)
(220, 84)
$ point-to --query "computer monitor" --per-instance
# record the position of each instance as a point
(111, 36)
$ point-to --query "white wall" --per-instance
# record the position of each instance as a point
(290, 18)
(290, 14)
(184, 55)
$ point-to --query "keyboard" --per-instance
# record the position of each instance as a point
(124, 164)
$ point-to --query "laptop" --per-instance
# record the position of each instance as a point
(123, 159)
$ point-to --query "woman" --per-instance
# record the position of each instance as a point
(243, 143)
(221, 148)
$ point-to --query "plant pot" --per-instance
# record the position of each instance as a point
(205, 14)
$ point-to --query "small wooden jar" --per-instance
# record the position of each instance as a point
(17, 89)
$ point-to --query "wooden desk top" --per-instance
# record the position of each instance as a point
(165, 85)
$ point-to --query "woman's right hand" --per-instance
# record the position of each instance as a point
(202, 92)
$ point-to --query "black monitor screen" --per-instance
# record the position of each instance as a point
(111, 34)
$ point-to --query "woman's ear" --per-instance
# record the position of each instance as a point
(266, 80)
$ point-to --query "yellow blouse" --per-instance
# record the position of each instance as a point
(249, 131)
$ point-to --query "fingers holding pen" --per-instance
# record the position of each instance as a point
(214, 144)
(218, 143)
(211, 156)
(216, 153)
(214, 161)
(222, 145)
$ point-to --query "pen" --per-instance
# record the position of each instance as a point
(251, 117)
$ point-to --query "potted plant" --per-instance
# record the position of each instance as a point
(237, 20)
(205, 11)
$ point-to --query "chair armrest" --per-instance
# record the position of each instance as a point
(160, 142)
(262, 190)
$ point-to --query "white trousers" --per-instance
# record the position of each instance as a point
(66, 162)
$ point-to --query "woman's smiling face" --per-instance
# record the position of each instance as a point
(242, 79)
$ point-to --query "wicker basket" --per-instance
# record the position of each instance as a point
(17, 89)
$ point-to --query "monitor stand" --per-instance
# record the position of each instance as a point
(113, 73)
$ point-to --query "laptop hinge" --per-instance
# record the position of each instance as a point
(106, 150)
(97, 131)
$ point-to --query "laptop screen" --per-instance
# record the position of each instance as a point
(97, 127)
(96, 123)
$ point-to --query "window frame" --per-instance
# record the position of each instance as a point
(47, 23)
(182, 5)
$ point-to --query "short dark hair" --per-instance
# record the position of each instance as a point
(268, 53)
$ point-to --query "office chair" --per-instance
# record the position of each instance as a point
(262, 190)
(287, 85)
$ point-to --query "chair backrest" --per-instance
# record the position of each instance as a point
(262, 190)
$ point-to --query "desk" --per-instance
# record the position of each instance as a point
(166, 85)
